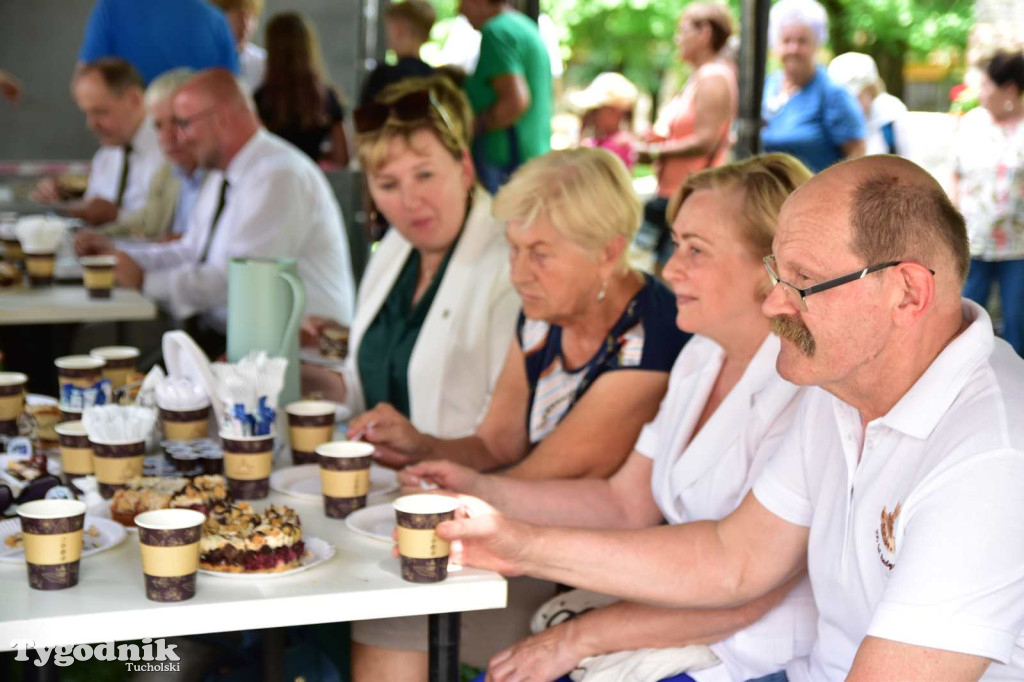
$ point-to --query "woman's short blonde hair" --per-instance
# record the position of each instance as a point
(450, 119)
(585, 193)
(766, 181)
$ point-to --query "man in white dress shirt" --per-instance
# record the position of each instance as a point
(109, 92)
(266, 199)
(900, 485)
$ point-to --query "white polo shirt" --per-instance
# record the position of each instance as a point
(278, 205)
(705, 477)
(108, 164)
(918, 535)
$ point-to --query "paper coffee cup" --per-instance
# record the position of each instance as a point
(344, 476)
(247, 464)
(310, 425)
(169, 539)
(185, 424)
(52, 533)
(423, 554)
(119, 362)
(12, 401)
(77, 373)
(116, 464)
(75, 449)
(40, 267)
(12, 250)
(98, 275)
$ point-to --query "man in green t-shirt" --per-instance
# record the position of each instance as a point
(510, 91)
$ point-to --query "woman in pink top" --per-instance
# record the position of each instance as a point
(606, 104)
(692, 132)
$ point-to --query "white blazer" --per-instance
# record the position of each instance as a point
(462, 345)
(707, 477)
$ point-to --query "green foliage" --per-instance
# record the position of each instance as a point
(915, 27)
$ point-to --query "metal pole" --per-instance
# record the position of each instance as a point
(753, 53)
(444, 646)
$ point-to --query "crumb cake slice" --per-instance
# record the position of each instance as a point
(148, 493)
(237, 539)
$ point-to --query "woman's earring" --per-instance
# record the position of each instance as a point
(1008, 105)
(601, 294)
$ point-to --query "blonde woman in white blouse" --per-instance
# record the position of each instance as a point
(723, 416)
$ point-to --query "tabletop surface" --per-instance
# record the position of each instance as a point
(67, 304)
(361, 581)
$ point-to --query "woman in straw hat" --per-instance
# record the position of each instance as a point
(606, 103)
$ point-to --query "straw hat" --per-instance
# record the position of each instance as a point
(608, 89)
(854, 71)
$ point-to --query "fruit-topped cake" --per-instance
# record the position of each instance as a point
(237, 539)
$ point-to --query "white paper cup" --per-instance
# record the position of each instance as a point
(52, 533)
(169, 540)
(310, 425)
(119, 362)
(423, 554)
(344, 476)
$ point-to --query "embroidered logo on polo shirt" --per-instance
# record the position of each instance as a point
(885, 536)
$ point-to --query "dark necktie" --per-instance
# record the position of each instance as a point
(123, 183)
(216, 216)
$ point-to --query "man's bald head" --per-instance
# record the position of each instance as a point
(896, 211)
(214, 117)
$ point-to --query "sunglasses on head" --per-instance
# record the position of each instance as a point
(415, 106)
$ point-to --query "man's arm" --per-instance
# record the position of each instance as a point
(513, 101)
(694, 565)
(884, 659)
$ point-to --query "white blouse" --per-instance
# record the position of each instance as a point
(707, 477)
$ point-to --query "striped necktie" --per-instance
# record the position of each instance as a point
(123, 183)
(216, 216)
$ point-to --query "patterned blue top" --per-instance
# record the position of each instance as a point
(645, 337)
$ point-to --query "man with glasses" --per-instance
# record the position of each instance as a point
(266, 200)
(900, 484)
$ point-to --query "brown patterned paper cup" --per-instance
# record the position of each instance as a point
(186, 424)
(310, 425)
(51, 531)
(423, 554)
(75, 449)
(12, 401)
(12, 250)
(98, 275)
(116, 464)
(40, 266)
(80, 371)
(247, 464)
(119, 362)
(169, 539)
(344, 476)
(70, 415)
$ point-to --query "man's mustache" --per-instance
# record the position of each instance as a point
(793, 329)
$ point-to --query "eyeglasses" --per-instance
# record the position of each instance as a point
(771, 266)
(412, 107)
(183, 124)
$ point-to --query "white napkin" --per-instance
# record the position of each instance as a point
(118, 423)
(40, 234)
(179, 393)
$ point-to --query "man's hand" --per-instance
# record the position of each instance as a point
(127, 272)
(545, 656)
(46, 191)
(92, 243)
(486, 539)
(10, 87)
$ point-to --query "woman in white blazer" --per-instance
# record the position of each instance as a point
(445, 254)
(723, 416)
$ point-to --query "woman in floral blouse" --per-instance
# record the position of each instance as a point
(990, 190)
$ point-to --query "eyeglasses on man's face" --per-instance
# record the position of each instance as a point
(182, 124)
(802, 293)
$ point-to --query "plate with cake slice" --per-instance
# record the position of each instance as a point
(241, 543)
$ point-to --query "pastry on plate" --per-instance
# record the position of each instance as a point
(237, 539)
(148, 493)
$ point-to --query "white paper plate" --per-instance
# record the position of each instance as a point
(37, 399)
(303, 482)
(317, 552)
(376, 522)
(111, 534)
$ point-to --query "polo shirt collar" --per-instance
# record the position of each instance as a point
(245, 157)
(921, 409)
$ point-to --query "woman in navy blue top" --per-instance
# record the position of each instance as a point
(804, 112)
(594, 344)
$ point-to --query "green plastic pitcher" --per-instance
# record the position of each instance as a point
(266, 299)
